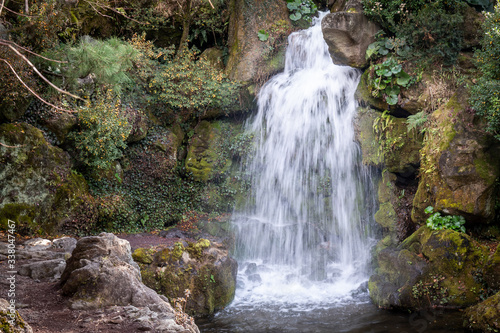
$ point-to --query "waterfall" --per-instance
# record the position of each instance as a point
(304, 237)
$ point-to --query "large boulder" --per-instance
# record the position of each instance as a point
(203, 267)
(102, 273)
(348, 34)
(459, 165)
(39, 190)
(430, 268)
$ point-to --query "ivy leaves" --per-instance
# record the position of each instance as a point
(390, 78)
(301, 9)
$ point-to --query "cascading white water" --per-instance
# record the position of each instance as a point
(304, 237)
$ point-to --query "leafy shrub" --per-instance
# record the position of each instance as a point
(485, 93)
(434, 32)
(429, 28)
(184, 84)
(438, 222)
(103, 131)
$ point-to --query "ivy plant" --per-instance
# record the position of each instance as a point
(301, 9)
(438, 222)
(389, 79)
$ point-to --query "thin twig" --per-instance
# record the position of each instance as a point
(114, 10)
(6, 146)
(41, 75)
(8, 42)
(98, 12)
(1, 7)
(33, 92)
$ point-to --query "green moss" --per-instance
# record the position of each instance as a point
(386, 216)
(142, 255)
(22, 214)
(486, 169)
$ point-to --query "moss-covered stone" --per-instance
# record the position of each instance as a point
(485, 316)
(202, 155)
(39, 192)
(202, 267)
(143, 256)
(430, 268)
(370, 147)
(459, 165)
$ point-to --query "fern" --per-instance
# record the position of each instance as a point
(416, 122)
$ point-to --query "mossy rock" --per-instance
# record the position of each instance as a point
(40, 191)
(459, 165)
(202, 154)
(202, 267)
(485, 316)
(430, 268)
(370, 147)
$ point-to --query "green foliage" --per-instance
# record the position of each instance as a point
(183, 84)
(485, 93)
(301, 9)
(438, 222)
(388, 140)
(105, 62)
(382, 46)
(416, 122)
(388, 81)
(263, 35)
(103, 132)
(439, 34)
(430, 29)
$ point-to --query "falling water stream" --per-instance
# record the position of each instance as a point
(304, 239)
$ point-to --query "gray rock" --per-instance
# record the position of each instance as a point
(43, 270)
(68, 244)
(348, 35)
(101, 273)
(37, 244)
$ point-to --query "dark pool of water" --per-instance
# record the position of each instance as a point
(359, 316)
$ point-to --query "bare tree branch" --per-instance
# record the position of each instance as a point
(8, 42)
(14, 12)
(6, 146)
(1, 7)
(40, 74)
(33, 92)
(113, 10)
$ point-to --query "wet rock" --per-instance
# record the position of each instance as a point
(10, 320)
(430, 268)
